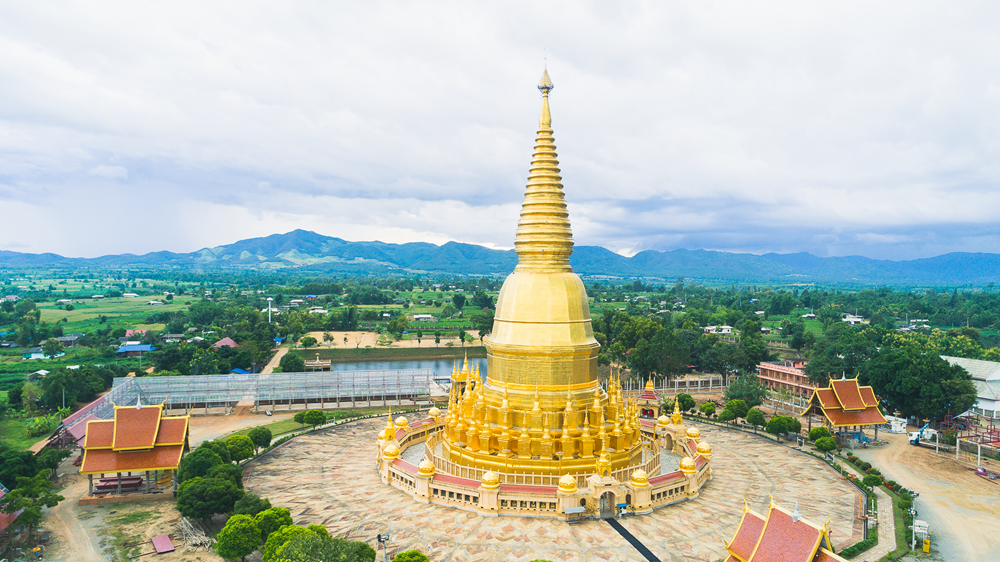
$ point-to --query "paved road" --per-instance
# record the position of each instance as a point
(962, 509)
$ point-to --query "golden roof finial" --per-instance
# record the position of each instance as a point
(746, 506)
(770, 496)
(544, 240)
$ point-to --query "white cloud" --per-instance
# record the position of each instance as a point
(109, 172)
(780, 126)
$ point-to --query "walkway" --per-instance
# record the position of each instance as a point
(886, 530)
(632, 540)
(269, 368)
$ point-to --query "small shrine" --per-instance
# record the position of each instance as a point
(649, 401)
(844, 404)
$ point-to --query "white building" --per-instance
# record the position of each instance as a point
(986, 377)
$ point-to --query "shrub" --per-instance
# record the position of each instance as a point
(776, 426)
(292, 363)
(197, 464)
(819, 433)
(685, 402)
(206, 497)
(240, 447)
(708, 408)
(270, 520)
(858, 548)
(871, 480)
(251, 504)
(239, 538)
(826, 444)
(411, 556)
(314, 418)
(866, 466)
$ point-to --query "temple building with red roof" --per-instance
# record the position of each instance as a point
(649, 401)
(845, 404)
(138, 440)
(780, 536)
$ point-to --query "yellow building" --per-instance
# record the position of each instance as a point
(540, 424)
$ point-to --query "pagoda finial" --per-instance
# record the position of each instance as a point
(746, 506)
(544, 240)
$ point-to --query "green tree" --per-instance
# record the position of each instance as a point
(321, 547)
(818, 433)
(240, 447)
(278, 539)
(458, 300)
(291, 363)
(205, 497)
(747, 389)
(919, 383)
(686, 402)
(205, 362)
(776, 426)
(755, 418)
(299, 418)
(270, 520)
(708, 408)
(437, 338)
(198, 464)
(51, 347)
(462, 335)
(251, 504)
(826, 444)
(308, 342)
(314, 418)
(482, 321)
(411, 556)
(31, 494)
(217, 446)
(239, 538)
(261, 437)
(739, 407)
(229, 472)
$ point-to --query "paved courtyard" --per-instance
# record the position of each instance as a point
(329, 477)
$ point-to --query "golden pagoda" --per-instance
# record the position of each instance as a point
(541, 409)
(539, 436)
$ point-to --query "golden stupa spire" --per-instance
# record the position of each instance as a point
(544, 240)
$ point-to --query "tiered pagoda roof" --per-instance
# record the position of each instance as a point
(845, 403)
(139, 438)
(649, 394)
(780, 536)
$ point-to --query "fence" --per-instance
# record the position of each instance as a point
(323, 388)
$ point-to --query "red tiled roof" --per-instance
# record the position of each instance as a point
(700, 461)
(664, 478)
(747, 535)
(405, 466)
(136, 428)
(827, 399)
(458, 481)
(785, 540)
(825, 555)
(848, 394)
(225, 342)
(7, 518)
(868, 395)
(107, 461)
(172, 431)
(100, 434)
(692, 445)
(868, 416)
(79, 430)
(732, 559)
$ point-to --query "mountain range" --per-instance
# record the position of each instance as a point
(306, 252)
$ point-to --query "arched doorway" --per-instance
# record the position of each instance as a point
(607, 505)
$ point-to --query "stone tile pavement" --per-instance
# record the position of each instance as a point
(329, 477)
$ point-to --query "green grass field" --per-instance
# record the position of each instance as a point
(13, 434)
(122, 312)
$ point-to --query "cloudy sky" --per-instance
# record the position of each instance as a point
(832, 128)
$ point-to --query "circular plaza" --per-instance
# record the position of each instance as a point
(328, 477)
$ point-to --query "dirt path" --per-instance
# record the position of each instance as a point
(962, 509)
(73, 539)
(269, 368)
(206, 428)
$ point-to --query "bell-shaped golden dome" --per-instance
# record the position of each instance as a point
(490, 480)
(640, 479)
(391, 451)
(693, 433)
(434, 413)
(402, 423)
(705, 450)
(663, 421)
(425, 468)
(567, 484)
(688, 466)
